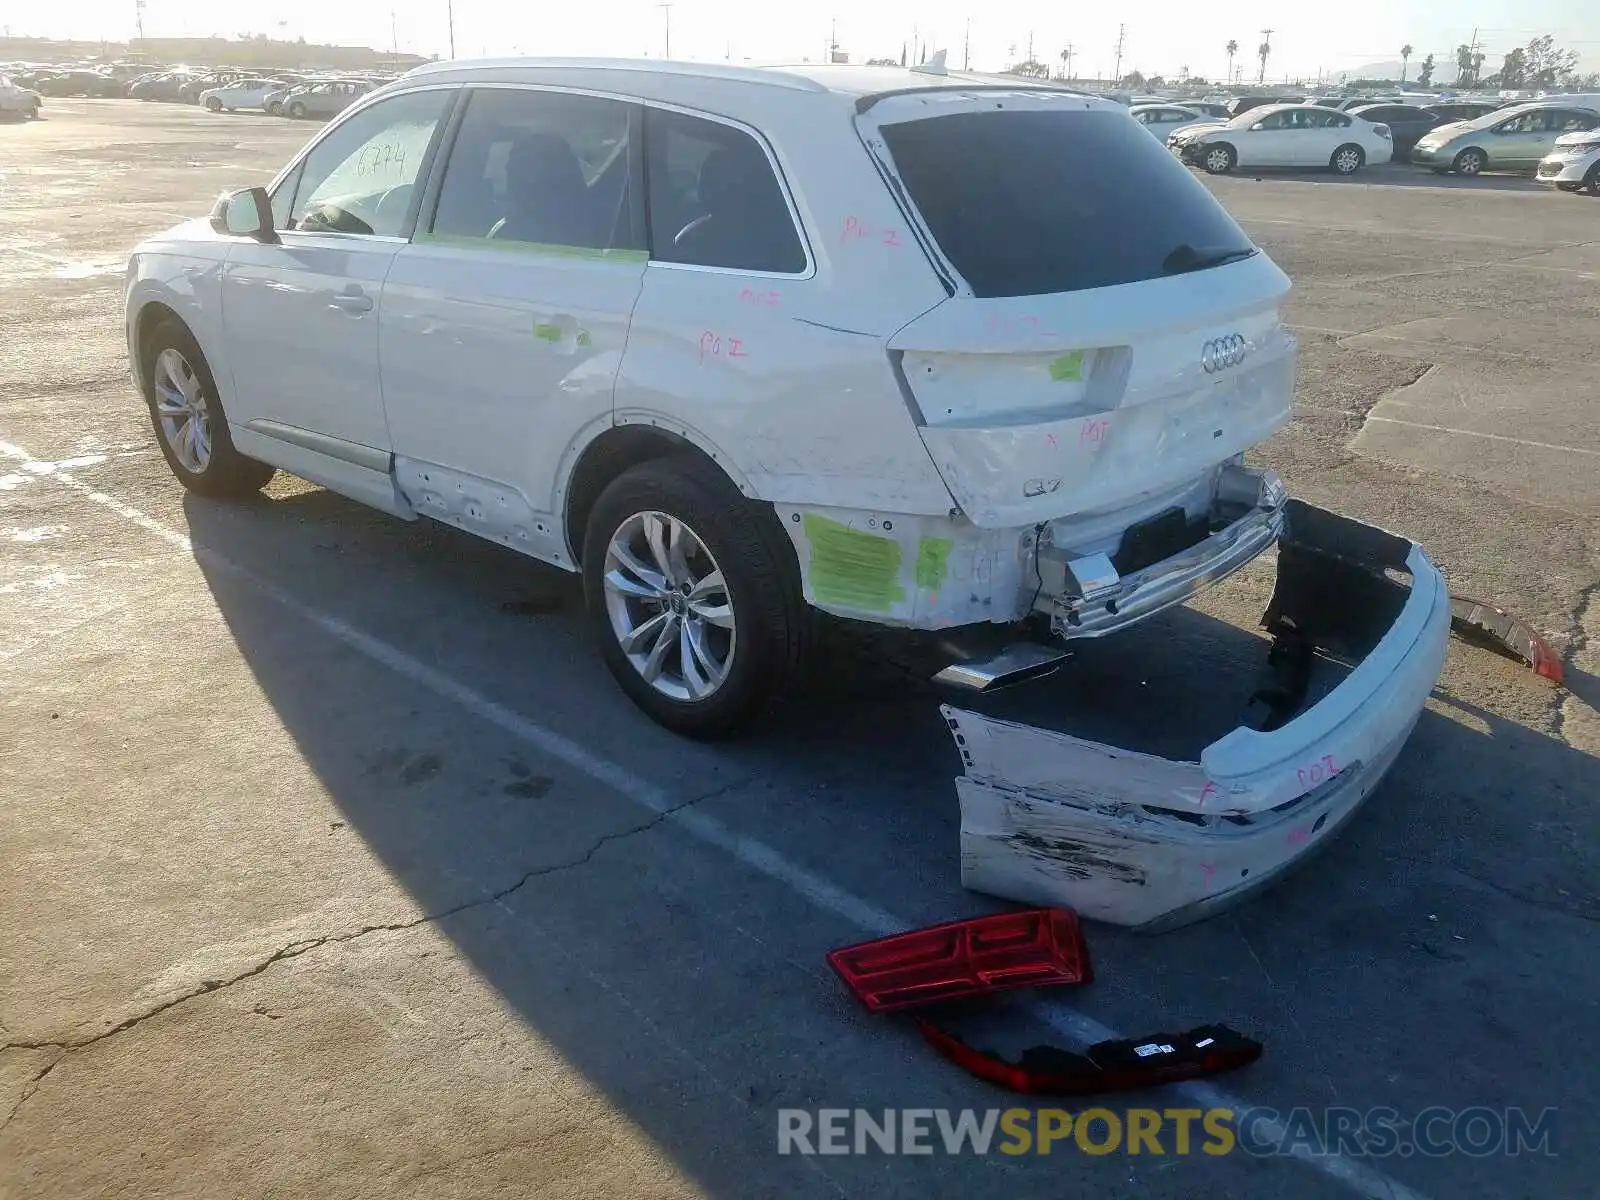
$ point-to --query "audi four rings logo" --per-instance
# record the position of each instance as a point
(1222, 352)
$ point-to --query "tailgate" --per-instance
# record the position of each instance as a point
(1040, 406)
(1110, 332)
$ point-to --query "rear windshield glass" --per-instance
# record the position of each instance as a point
(1029, 203)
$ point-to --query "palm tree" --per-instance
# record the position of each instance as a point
(1405, 60)
(1261, 52)
(1233, 48)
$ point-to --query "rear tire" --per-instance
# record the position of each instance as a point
(758, 628)
(1470, 162)
(187, 415)
(1348, 159)
(1218, 160)
(297, 110)
(275, 109)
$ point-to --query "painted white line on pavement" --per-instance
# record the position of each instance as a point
(1082, 1029)
(1492, 437)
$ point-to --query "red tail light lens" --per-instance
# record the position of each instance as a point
(1033, 948)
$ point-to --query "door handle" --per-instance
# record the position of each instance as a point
(352, 300)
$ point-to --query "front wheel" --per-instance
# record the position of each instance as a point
(1347, 160)
(213, 104)
(1591, 180)
(1218, 160)
(1470, 162)
(297, 110)
(33, 112)
(188, 417)
(694, 594)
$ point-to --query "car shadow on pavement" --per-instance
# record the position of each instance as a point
(1430, 955)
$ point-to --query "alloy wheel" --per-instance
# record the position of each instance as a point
(669, 606)
(181, 409)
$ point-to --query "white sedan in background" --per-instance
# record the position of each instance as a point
(1166, 119)
(242, 93)
(1284, 135)
(14, 98)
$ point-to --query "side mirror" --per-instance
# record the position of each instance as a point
(246, 213)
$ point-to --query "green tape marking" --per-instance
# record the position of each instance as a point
(1068, 368)
(548, 333)
(510, 246)
(933, 562)
(851, 569)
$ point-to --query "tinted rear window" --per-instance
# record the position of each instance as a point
(1029, 203)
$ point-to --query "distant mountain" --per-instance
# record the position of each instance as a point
(1390, 69)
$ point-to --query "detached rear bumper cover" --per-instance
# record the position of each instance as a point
(1148, 842)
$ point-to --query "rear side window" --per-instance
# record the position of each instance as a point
(1030, 203)
(714, 198)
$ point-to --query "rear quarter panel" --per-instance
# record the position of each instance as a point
(787, 378)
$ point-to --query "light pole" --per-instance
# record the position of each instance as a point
(666, 14)
(450, 15)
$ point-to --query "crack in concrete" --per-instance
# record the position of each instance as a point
(306, 945)
(1543, 905)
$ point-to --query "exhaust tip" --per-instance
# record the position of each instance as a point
(1015, 664)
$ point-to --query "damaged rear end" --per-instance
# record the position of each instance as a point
(1153, 843)
(1111, 346)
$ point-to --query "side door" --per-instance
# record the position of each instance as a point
(1266, 142)
(1518, 142)
(300, 321)
(504, 321)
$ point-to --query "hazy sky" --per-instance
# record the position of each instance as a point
(1162, 35)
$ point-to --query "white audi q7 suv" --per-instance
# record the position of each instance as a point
(915, 349)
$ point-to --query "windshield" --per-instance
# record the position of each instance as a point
(1029, 203)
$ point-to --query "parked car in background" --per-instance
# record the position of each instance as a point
(272, 102)
(80, 83)
(1164, 119)
(325, 99)
(191, 88)
(16, 100)
(167, 86)
(1463, 110)
(1512, 139)
(243, 93)
(1240, 105)
(1209, 108)
(1573, 163)
(1407, 123)
(1284, 135)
